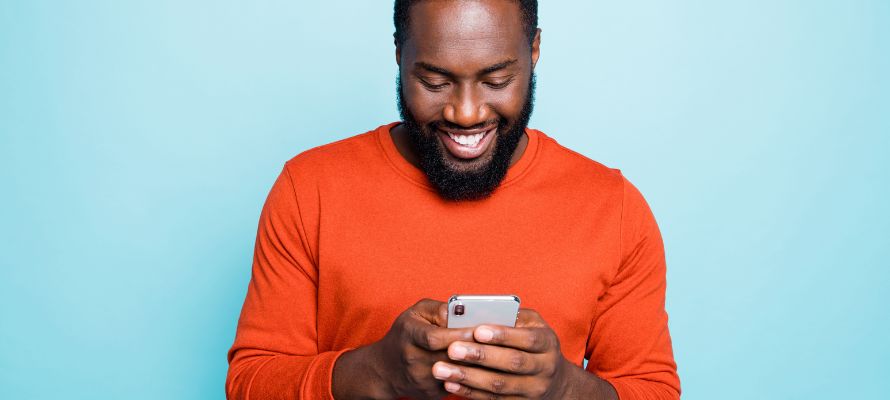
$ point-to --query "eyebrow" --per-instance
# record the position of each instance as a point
(487, 70)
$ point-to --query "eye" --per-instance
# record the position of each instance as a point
(433, 86)
(499, 84)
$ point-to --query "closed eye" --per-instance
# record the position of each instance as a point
(432, 86)
(500, 84)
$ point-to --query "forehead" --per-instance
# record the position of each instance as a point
(466, 29)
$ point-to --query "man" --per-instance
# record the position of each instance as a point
(358, 236)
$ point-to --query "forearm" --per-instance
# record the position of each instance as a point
(581, 384)
(357, 376)
(277, 376)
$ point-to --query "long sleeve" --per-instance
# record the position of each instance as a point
(275, 354)
(630, 345)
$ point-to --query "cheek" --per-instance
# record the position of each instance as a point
(426, 106)
(507, 103)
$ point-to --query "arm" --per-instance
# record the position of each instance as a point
(629, 348)
(630, 345)
(275, 354)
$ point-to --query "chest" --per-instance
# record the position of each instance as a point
(377, 258)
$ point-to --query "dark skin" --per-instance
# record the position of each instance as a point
(468, 63)
(464, 66)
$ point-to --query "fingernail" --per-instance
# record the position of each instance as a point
(451, 387)
(458, 352)
(484, 334)
(441, 371)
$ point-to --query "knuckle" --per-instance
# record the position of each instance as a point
(412, 376)
(538, 391)
(497, 385)
(431, 340)
(409, 356)
(460, 375)
(549, 369)
(518, 362)
(533, 339)
(552, 339)
(476, 354)
(417, 373)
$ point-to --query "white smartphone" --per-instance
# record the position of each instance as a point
(466, 311)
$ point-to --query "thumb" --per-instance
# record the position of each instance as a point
(432, 311)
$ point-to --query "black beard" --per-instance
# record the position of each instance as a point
(457, 185)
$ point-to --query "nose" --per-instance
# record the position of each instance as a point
(467, 108)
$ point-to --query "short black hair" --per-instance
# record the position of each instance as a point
(401, 18)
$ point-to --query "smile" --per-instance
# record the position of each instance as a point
(468, 146)
(467, 140)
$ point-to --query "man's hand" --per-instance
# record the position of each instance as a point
(523, 363)
(400, 364)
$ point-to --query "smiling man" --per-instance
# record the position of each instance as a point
(360, 241)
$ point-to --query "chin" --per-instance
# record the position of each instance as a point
(461, 165)
(464, 165)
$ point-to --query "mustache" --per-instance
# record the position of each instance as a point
(434, 125)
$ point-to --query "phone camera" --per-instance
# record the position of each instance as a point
(459, 309)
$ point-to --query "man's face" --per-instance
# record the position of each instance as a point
(465, 91)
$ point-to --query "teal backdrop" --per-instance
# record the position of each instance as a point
(138, 140)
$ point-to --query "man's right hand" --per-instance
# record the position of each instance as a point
(401, 363)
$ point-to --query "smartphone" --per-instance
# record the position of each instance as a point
(466, 311)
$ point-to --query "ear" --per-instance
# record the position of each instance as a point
(398, 50)
(536, 48)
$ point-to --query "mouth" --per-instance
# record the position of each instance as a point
(468, 145)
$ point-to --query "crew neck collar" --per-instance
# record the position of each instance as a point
(415, 175)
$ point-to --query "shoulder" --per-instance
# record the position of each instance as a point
(565, 164)
(336, 158)
(584, 178)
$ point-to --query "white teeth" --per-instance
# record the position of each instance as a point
(467, 140)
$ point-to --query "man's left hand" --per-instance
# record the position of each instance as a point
(523, 362)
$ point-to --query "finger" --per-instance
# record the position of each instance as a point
(477, 381)
(528, 318)
(496, 357)
(412, 355)
(432, 311)
(471, 393)
(433, 338)
(533, 340)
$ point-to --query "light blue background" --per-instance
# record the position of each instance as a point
(139, 139)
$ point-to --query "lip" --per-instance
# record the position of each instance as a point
(465, 152)
(469, 132)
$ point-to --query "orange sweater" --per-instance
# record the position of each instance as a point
(352, 234)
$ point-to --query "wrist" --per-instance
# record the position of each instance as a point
(580, 384)
(357, 375)
(566, 380)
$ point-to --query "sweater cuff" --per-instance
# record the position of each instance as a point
(624, 391)
(321, 375)
(632, 389)
(304, 377)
